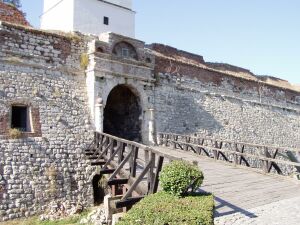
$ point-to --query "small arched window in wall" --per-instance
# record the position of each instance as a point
(99, 50)
(148, 60)
(125, 50)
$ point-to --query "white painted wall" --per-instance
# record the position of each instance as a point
(58, 15)
(124, 3)
(89, 15)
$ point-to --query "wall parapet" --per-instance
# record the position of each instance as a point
(220, 75)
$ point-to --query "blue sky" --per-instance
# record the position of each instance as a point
(260, 35)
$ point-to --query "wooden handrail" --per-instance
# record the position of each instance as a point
(240, 154)
(267, 159)
(115, 155)
(235, 142)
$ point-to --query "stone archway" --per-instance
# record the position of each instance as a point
(122, 114)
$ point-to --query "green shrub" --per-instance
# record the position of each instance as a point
(163, 208)
(179, 176)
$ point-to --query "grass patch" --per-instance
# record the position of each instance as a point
(84, 61)
(165, 209)
(15, 133)
(36, 221)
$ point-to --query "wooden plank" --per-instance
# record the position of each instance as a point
(120, 166)
(117, 181)
(128, 202)
(159, 165)
(137, 181)
(141, 189)
(107, 171)
(98, 163)
(133, 163)
(111, 156)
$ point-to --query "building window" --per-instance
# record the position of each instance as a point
(125, 52)
(99, 49)
(148, 60)
(106, 20)
(20, 118)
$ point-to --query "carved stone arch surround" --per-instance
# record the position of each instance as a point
(133, 50)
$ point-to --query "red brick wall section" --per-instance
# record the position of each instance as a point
(176, 53)
(11, 14)
(4, 124)
(162, 65)
(36, 122)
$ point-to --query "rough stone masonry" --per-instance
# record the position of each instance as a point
(57, 88)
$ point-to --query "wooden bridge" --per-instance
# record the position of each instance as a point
(240, 175)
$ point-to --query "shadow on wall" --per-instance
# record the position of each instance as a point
(183, 115)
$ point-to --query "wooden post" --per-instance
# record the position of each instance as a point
(150, 176)
(133, 163)
(154, 186)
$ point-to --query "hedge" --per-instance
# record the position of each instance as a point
(165, 209)
(180, 177)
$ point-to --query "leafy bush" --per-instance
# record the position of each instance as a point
(163, 208)
(179, 176)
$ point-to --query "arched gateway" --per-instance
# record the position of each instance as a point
(122, 114)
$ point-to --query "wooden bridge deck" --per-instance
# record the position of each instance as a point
(238, 183)
(238, 189)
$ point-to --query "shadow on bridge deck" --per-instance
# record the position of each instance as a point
(224, 208)
(238, 189)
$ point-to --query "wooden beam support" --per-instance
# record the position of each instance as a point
(117, 181)
(128, 202)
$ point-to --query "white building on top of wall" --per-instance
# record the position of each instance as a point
(89, 16)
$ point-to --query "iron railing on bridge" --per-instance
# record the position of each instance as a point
(269, 159)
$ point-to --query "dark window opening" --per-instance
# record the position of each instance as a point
(106, 20)
(125, 52)
(20, 118)
(148, 60)
(99, 49)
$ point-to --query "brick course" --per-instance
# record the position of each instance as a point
(11, 14)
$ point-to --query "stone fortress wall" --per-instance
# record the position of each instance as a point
(66, 82)
(42, 71)
(223, 101)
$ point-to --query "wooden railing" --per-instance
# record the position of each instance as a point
(269, 159)
(130, 165)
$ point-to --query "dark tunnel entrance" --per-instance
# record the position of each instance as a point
(122, 114)
(99, 192)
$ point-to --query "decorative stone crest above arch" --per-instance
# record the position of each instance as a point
(125, 50)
